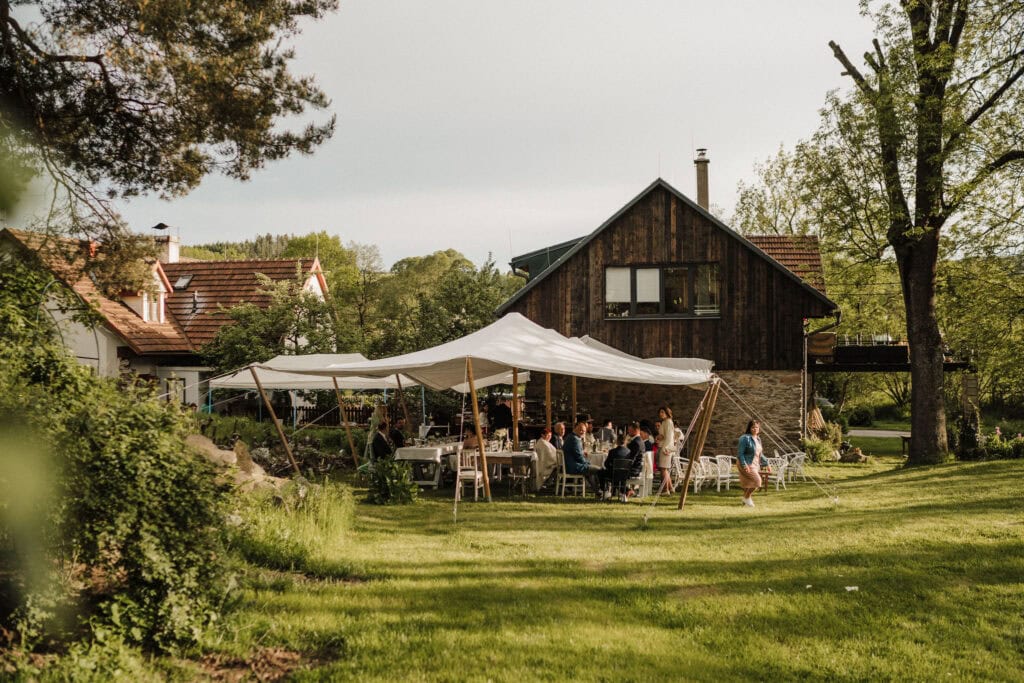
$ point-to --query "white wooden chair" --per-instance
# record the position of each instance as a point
(795, 467)
(697, 475)
(645, 482)
(724, 464)
(778, 473)
(577, 482)
(469, 471)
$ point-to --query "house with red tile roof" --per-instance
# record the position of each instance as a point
(155, 333)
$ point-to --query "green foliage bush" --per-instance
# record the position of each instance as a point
(995, 446)
(391, 483)
(817, 450)
(862, 416)
(137, 517)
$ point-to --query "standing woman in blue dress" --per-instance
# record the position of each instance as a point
(750, 460)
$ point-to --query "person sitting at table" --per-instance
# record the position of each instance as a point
(380, 448)
(576, 461)
(559, 436)
(470, 441)
(637, 447)
(617, 465)
(398, 433)
(606, 434)
(588, 437)
(547, 458)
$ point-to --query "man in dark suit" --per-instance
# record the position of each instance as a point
(398, 433)
(379, 447)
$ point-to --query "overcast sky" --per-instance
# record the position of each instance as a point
(506, 126)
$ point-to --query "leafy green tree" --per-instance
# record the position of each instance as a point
(116, 99)
(943, 97)
(295, 321)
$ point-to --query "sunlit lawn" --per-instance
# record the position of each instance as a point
(917, 574)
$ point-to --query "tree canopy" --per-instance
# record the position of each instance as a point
(115, 99)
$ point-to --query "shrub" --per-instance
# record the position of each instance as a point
(391, 482)
(862, 416)
(136, 518)
(818, 450)
(842, 421)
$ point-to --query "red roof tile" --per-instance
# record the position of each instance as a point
(800, 254)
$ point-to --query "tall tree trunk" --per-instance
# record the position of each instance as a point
(927, 401)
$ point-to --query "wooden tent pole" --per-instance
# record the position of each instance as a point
(344, 421)
(575, 411)
(547, 397)
(401, 400)
(277, 423)
(479, 431)
(515, 409)
(709, 407)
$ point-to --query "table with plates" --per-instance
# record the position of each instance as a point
(426, 461)
(515, 459)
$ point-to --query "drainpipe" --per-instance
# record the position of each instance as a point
(803, 380)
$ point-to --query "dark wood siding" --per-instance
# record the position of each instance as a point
(762, 309)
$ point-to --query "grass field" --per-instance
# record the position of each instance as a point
(916, 574)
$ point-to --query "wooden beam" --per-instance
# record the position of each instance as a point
(547, 398)
(515, 409)
(709, 408)
(575, 411)
(277, 423)
(401, 400)
(344, 421)
(479, 431)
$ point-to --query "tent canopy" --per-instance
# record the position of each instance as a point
(694, 364)
(285, 373)
(513, 342)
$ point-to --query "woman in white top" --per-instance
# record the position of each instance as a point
(666, 448)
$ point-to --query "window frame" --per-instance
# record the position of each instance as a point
(691, 284)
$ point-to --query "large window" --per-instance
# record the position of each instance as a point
(679, 291)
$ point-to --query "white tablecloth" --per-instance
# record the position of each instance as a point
(424, 453)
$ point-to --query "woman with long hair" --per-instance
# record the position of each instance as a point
(750, 460)
(666, 448)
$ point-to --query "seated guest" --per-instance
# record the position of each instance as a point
(470, 441)
(617, 468)
(559, 437)
(381, 449)
(637, 448)
(398, 433)
(575, 460)
(588, 437)
(606, 434)
(547, 459)
(647, 430)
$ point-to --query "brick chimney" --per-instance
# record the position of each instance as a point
(168, 247)
(701, 162)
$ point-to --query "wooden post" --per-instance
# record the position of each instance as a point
(479, 431)
(344, 421)
(575, 411)
(515, 409)
(277, 423)
(709, 407)
(401, 400)
(547, 397)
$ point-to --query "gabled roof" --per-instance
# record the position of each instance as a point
(218, 285)
(661, 183)
(68, 260)
(215, 284)
(799, 253)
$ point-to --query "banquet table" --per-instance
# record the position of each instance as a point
(514, 459)
(426, 461)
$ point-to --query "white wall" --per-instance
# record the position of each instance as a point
(93, 346)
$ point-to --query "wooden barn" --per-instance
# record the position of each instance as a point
(664, 278)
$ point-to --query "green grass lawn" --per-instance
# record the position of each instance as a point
(916, 574)
(878, 445)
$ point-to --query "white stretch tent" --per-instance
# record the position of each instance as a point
(279, 373)
(284, 373)
(513, 342)
(695, 364)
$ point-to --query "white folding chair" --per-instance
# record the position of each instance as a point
(469, 471)
(577, 482)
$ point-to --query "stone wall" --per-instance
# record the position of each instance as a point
(774, 395)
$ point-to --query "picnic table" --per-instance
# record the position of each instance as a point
(426, 461)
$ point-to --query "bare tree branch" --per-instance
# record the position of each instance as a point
(851, 71)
